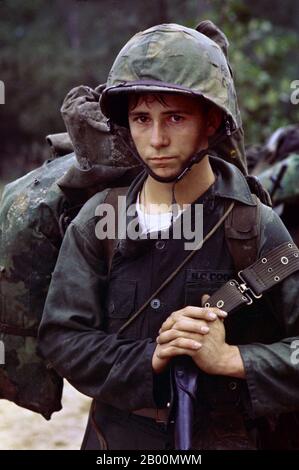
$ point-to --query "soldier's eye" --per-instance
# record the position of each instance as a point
(176, 118)
(141, 119)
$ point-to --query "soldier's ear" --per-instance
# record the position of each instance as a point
(215, 118)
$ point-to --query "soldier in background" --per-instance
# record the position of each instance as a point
(276, 164)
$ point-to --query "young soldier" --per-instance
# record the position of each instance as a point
(172, 87)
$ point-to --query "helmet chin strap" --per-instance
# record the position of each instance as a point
(187, 167)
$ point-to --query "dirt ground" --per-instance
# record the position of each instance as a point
(22, 429)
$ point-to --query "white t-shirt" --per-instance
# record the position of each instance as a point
(153, 222)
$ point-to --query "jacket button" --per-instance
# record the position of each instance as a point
(155, 303)
(232, 385)
(160, 245)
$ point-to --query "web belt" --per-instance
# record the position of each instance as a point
(258, 278)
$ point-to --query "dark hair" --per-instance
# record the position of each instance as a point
(119, 104)
(148, 98)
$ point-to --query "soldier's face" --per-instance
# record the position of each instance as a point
(168, 129)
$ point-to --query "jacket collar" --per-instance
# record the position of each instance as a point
(230, 182)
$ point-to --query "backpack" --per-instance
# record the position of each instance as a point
(34, 214)
(30, 241)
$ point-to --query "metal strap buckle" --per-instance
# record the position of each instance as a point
(243, 288)
(246, 290)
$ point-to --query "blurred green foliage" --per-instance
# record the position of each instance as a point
(49, 46)
(264, 58)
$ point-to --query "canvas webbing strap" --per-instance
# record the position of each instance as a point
(257, 278)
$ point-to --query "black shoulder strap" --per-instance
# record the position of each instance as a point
(110, 244)
(242, 232)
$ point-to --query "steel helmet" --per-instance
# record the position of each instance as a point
(171, 58)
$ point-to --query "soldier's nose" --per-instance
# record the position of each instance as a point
(159, 137)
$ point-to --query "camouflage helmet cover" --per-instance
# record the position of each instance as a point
(171, 58)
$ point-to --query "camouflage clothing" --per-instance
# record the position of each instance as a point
(30, 241)
(172, 58)
(35, 211)
(288, 189)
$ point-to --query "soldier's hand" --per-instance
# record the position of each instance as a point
(182, 334)
(217, 357)
(190, 319)
(165, 352)
(213, 348)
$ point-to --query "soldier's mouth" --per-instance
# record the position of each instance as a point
(162, 159)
